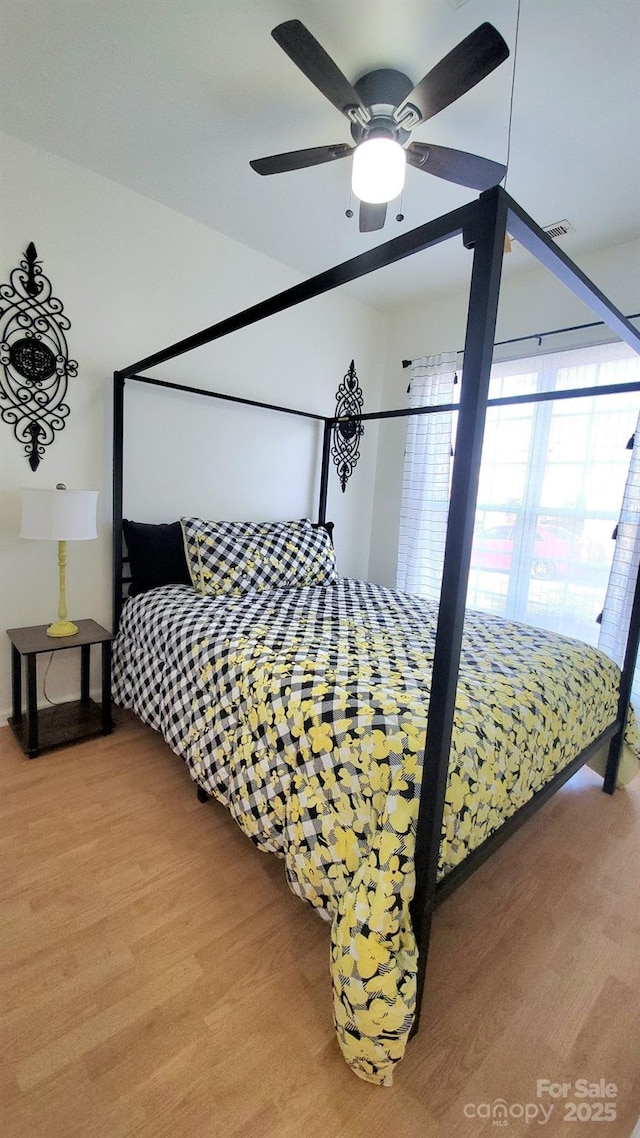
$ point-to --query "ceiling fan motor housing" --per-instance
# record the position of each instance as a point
(382, 91)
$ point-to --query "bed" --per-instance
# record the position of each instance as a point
(299, 700)
(331, 716)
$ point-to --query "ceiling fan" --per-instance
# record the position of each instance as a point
(383, 108)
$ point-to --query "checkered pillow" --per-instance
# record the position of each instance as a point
(233, 558)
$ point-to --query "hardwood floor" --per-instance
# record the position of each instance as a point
(159, 978)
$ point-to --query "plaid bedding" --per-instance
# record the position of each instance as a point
(304, 711)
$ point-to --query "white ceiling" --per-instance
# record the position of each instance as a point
(174, 97)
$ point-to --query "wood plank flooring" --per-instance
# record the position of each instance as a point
(159, 978)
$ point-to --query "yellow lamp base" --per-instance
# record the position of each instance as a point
(62, 628)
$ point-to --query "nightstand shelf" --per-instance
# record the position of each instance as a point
(42, 728)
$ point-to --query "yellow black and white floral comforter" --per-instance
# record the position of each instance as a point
(304, 711)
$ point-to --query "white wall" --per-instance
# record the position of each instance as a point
(532, 301)
(135, 276)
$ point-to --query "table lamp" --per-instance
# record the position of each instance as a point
(60, 515)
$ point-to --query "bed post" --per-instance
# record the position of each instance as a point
(118, 441)
(626, 683)
(324, 475)
(486, 236)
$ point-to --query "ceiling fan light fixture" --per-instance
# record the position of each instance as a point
(378, 170)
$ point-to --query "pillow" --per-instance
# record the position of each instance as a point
(156, 555)
(248, 557)
(328, 526)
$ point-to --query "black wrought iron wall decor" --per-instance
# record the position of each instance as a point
(347, 433)
(34, 357)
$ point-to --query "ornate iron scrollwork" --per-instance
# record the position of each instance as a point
(34, 357)
(347, 433)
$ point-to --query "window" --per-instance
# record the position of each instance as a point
(551, 486)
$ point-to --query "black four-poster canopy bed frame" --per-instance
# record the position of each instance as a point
(483, 225)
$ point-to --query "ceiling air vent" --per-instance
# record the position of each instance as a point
(559, 229)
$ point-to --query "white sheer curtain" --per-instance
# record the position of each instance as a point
(425, 483)
(619, 599)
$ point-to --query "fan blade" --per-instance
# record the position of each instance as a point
(472, 60)
(371, 216)
(299, 159)
(455, 165)
(313, 61)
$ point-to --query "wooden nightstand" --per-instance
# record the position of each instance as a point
(42, 728)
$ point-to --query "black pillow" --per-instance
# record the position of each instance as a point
(156, 555)
(325, 525)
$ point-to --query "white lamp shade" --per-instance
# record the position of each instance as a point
(378, 170)
(59, 515)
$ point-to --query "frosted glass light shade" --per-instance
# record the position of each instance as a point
(378, 170)
(59, 515)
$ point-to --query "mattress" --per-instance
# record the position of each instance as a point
(304, 712)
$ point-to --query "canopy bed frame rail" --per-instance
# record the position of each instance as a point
(483, 225)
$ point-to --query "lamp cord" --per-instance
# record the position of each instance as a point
(51, 702)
